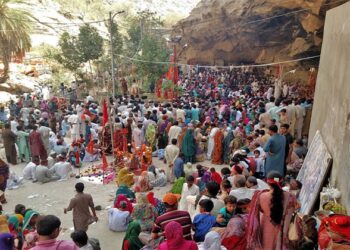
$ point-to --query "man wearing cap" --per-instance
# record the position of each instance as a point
(172, 214)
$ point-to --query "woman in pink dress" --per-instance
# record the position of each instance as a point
(175, 240)
(270, 215)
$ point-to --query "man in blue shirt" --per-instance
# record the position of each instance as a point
(3, 114)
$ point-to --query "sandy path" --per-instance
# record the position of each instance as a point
(53, 197)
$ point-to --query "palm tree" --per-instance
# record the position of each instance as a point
(15, 25)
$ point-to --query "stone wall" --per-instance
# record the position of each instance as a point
(331, 113)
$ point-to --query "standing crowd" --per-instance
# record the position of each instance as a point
(232, 118)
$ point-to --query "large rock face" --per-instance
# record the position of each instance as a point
(251, 31)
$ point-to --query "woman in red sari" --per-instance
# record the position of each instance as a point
(270, 215)
(217, 154)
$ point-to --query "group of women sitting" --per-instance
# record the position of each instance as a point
(261, 222)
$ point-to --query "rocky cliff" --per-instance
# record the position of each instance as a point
(252, 31)
(53, 17)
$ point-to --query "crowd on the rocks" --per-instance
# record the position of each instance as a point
(231, 117)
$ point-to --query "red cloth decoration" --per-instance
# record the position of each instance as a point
(104, 162)
(77, 157)
(104, 113)
(90, 147)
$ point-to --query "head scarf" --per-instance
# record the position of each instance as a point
(132, 236)
(4, 228)
(188, 144)
(6, 241)
(212, 241)
(124, 177)
(206, 177)
(174, 236)
(235, 227)
(151, 199)
(143, 181)
(141, 199)
(14, 225)
(124, 189)
(28, 216)
(120, 198)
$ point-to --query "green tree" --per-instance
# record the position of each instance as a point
(15, 26)
(147, 46)
(153, 50)
(69, 55)
(89, 43)
(118, 49)
(117, 40)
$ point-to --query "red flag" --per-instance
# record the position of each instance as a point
(77, 158)
(104, 162)
(279, 70)
(105, 113)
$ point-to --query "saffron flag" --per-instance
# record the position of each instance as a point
(104, 113)
(104, 162)
(90, 147)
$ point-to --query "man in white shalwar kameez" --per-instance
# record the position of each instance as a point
(171, 152)
(75, 133)
(211, 142)
(174, 132)
(189, 191)
(300, 110)
(137, 136)
(45, 136)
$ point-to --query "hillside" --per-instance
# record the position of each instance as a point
(252, 31)
(52, 17)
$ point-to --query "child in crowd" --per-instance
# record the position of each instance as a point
(293, 186)
(225, 173)
(227, 212)
(203, 222)
(118, 219)
(260, 169)
(225, 187)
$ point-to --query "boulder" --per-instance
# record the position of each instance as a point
(251, 31)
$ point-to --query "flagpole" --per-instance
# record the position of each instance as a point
(112, 132)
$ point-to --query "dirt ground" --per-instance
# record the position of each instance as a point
(53, 197)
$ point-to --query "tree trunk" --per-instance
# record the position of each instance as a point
(6, 61)
(91, 70)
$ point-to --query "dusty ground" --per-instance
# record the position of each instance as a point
(53, 197)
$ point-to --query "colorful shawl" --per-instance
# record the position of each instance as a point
(151, 135)
(120, 198)
(227, 146)
(132, 237)
(188, 146)
(124, 189)
(254, 237)
(177, 187)
(27, 218)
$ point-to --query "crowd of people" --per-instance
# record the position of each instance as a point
(232, 146)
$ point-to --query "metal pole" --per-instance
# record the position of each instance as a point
(112, 54)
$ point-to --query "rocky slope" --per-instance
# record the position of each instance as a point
(53, 17)
(252, 31)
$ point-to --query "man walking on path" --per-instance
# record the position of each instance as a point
(80, 205)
